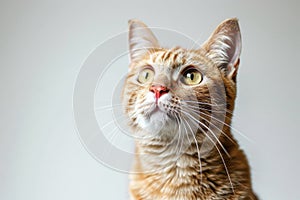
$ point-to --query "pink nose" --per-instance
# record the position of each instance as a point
(159, 90)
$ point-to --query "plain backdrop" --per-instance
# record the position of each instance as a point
(43, 45)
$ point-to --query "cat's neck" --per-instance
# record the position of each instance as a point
(171, 171)
(157, 155)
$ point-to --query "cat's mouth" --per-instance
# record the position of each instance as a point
(160, 112)
(155, 110)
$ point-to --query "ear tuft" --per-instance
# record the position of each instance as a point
(141, 39)
(224, 46)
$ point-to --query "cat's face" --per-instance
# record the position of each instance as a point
(171, 90)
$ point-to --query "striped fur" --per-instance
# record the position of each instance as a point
(173, 159)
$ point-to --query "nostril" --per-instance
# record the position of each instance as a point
(159, 90)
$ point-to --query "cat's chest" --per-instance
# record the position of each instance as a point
(174, 176)
(180, 173)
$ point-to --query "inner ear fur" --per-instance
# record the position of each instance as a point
(141, 40)
(224, 47)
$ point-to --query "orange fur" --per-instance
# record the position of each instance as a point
(167, 164)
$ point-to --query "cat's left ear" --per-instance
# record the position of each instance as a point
(141, 40)
(224, 47)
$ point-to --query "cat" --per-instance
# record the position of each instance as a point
(179, 103)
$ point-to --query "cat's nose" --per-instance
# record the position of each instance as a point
(159, 90)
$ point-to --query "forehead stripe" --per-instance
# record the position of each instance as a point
(166, 55)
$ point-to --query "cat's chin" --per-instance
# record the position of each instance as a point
(158, 122)
(158, 114)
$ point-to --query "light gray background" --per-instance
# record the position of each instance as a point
(43, 45)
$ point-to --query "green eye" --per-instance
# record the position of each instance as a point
(191, 77)
(146, 75)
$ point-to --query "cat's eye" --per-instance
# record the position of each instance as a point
(191, 77)
(146, 75)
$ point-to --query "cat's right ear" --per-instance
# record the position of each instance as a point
(141, 40)
(224, 47)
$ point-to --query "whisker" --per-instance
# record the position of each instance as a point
(179, 133)
(112, 134)
(108, 107)
(197, 112)
(199, 122)
(211, 110)
(197, 147)
(221, 156)
(181, 142)
(112, 121)
(228, 125)
(203, 103)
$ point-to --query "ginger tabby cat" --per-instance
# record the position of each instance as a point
(180, 103)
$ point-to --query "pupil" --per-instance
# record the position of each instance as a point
(191, 76)
(146, 75)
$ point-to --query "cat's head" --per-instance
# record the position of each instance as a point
(171, 90)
